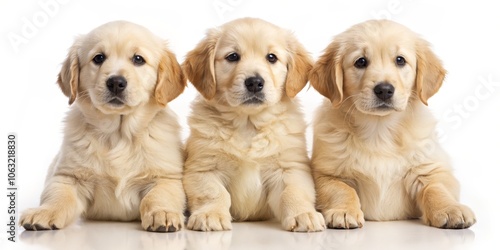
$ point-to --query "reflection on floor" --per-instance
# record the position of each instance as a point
(249, 235)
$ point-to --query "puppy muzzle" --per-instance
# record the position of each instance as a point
(116, 86)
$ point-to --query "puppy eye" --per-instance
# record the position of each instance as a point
(233, 57)
(272, 58)
(400, 61)
(361, 63)
(138, 60)
(99, 59)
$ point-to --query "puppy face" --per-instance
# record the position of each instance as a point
(248, 63)
(119, 66)
(376, 67)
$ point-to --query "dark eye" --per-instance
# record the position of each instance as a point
(272, 58)
(99, 59)
(400, 61)
(233, 57)
(361, 63)
(138, 60)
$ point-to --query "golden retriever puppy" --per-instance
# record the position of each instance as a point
(121, 157)
(246, 154)
(375, 153)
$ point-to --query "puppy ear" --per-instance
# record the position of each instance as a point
(199, 65)
(327, 74)
(299, 66)
(68, 78)
(430, 72)
(170, 81)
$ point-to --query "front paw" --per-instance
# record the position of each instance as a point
(43, 218)
(455, 216)
(162, 221)
(211, 221)
(344, 218)
(305, 222)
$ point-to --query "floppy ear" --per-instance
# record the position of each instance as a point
(68, 78)
(298, 68)
(430, 72)
(170, 81)
(199, 65)
(327, 74)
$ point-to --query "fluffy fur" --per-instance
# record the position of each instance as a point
(376, 158)
(121, 157)
(246, 154)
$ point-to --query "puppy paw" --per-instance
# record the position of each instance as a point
(209, 221)
(305, 222)
(37, 219)
(451, 217)
(162, 221)
(344, 218)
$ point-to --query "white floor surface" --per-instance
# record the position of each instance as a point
(405, 235)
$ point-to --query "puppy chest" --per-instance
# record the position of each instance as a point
(247, 191)
(118, 199)
(117, 185)
(127, 159)
(250, 143)
(382, 191)
(386, 201)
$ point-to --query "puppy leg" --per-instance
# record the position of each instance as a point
(437, 194)
(440, 209)
(339, 203)
(162, 207)
(208, 202)
(292, 200)
(59, 206)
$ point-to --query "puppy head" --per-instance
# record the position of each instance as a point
(119, 66)
(377, 67)
(248, 62)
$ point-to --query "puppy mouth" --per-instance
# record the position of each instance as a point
(377, 108)
(382, 108)
(385, 106)
(254, 100)
(115, 101)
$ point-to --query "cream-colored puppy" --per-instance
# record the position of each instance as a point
(246, 155)
(375, 153)
(121, 157)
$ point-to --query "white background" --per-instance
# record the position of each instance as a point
(463, 34)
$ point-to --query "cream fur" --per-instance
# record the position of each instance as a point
(381, 164)
(117, 162)
(248, 161)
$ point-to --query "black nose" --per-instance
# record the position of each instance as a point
(116, 84)
(254, 84)
(384, 91)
